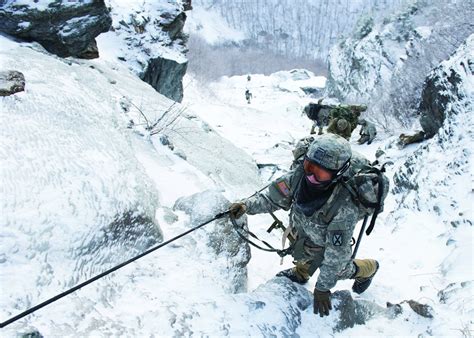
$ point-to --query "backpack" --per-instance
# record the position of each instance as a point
(368, 186)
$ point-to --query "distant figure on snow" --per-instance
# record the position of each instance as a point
(248, 95)
(319, 114)
(367, 132)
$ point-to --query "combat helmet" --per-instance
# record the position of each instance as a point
(332, 152)
(342, 124)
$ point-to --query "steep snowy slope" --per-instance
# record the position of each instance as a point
(198, 286)
(84, 188)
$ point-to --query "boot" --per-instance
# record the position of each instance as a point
(365, 272)
(293, 275)
(299, 273)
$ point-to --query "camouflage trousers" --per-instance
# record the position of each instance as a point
(308, 258)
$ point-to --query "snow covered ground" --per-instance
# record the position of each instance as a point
(410, 244)
(74, 115)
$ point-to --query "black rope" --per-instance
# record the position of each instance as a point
(238, 229)
(93, 279)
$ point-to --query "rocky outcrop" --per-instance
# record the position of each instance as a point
(220, 235)
(384, 64)
(165, 75)
(446, 109)
(154, 43)
(11, 82)
(446, 90)
(63, 28)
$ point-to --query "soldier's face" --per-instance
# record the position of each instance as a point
(316, 174)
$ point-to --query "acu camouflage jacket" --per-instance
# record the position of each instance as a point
(329, 229)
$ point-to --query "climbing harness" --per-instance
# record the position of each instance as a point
(105, 273)
(244, 233)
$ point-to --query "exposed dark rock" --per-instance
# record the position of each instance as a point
(442, 87)
(31, 334)
(175, 27)
(11, 82)
(63, 29)
(423, 310)
(314, 91)
(187, 6)
(166, 76)
(91, 51)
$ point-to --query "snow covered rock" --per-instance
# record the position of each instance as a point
(149, 37)
(221, 236)
(62, 27)
(11, 82)
(448, 89)
(75, 198)
(432, 186)
(448, 101)
(384, 64)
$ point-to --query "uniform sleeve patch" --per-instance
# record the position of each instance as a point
(283, 187)
(337, 238)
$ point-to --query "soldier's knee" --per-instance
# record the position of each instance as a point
(365, 267)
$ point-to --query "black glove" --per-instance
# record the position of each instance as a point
(237, 209)
(322, 302)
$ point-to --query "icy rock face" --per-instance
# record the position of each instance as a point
(62, 27)
(221, 236)
(11, 82)
(453, 100)
(154, 42)
(367, 59)
(384, 64)
(75, 199)
(446, 90)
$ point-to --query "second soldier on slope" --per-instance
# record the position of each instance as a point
(367, 132)
(323, 216)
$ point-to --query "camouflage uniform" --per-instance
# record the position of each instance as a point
(408, 139)
(341, 127)
(367, 132)
(323, 240)
(350, 113)
(319, 113)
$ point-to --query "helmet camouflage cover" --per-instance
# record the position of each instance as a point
(330, 151)
(342, 124)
